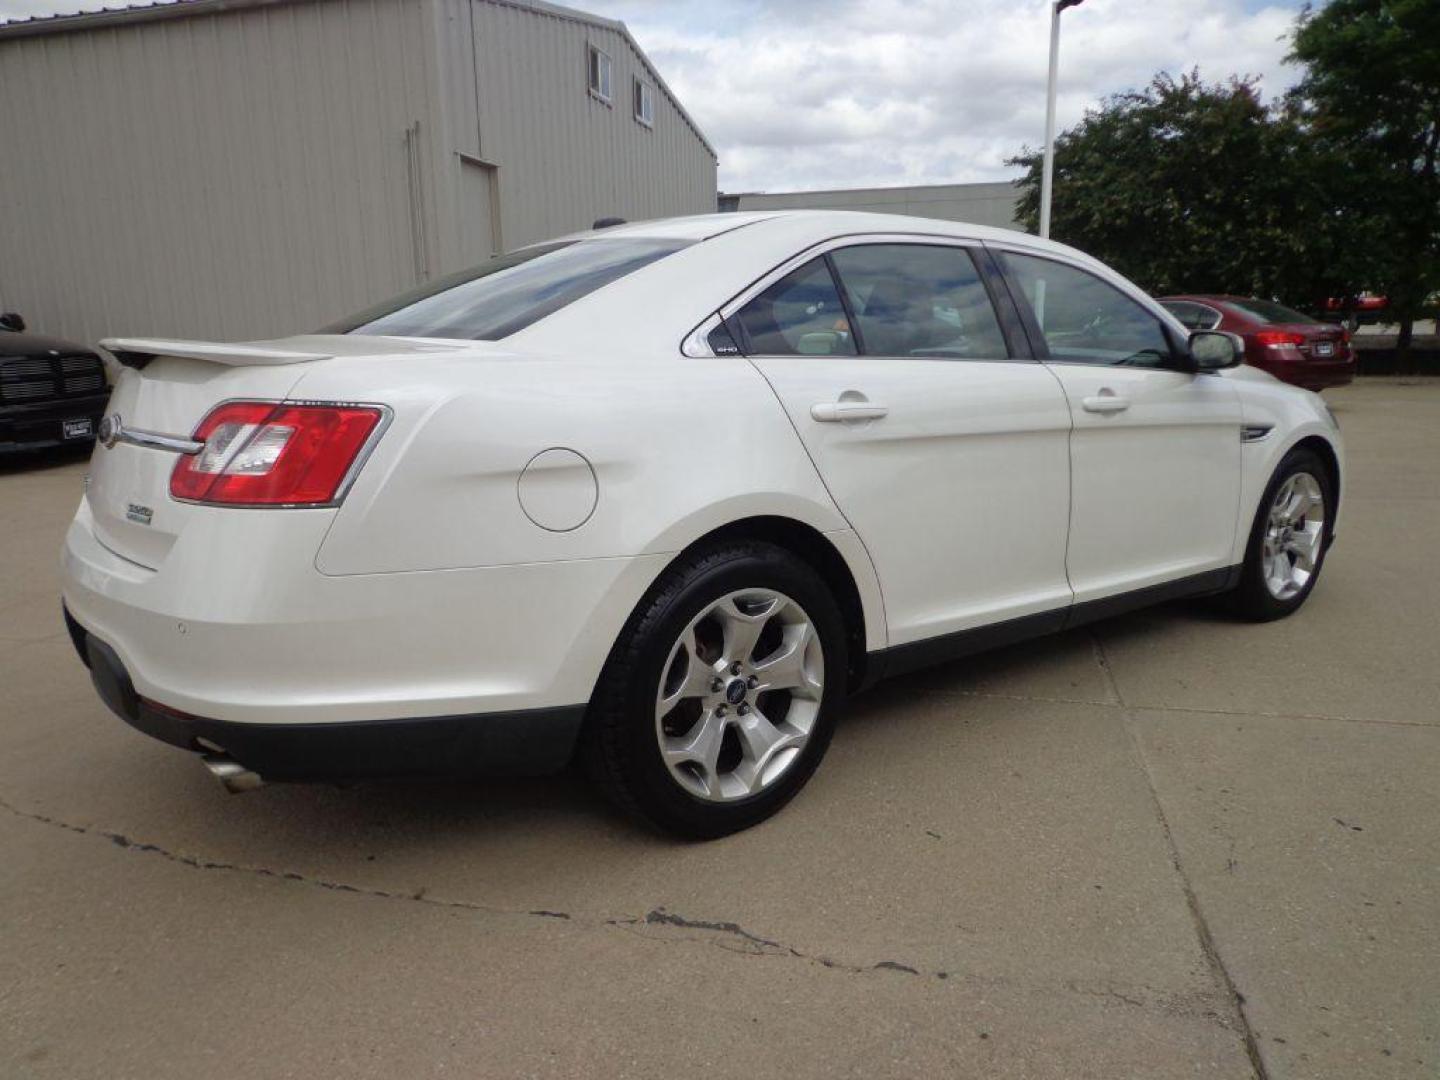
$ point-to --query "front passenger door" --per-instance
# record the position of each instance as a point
(1155, 451)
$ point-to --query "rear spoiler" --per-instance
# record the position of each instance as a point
(137, 352)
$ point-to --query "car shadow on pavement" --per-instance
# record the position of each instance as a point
(1063, 667)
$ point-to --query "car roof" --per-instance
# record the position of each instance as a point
(727, 254)
(822, 222)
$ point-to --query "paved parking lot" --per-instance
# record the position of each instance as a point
(1172, 845)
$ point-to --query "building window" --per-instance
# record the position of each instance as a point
(644, 103)
(599, 74)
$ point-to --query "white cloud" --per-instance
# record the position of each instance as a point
(840, 93)
(26, 9)
(861, 92)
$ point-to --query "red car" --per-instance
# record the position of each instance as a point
(1365, 308)
(1293, 347)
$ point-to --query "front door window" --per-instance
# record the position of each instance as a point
(1086, 320)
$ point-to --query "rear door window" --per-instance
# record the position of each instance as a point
(1267, 311)
(799, 315)
(508, 293)
(919, 300)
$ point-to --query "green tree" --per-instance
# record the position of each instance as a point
(1188, 186)
(1371, 98)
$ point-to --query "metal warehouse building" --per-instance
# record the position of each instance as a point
(238, 169)
(978, 204)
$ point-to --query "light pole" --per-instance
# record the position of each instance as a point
(1047, 172)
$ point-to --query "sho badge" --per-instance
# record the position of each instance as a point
(142, 514)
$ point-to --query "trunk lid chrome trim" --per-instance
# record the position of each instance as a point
(112, 430)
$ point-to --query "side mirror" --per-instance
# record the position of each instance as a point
(12, 321)
(1212, 350)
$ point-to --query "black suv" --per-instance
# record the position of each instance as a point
(52, 392)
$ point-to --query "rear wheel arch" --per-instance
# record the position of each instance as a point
(809, 544)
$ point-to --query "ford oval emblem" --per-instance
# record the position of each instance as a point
(109, 432)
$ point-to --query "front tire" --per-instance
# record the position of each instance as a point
(718, 701)
(1288, 539)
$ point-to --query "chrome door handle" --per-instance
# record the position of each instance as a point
(831, 412)
(1106, 403)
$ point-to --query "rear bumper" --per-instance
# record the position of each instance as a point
(518, 743)
(236, 624)
(40, 425)
(237, 640)
(1309, 374)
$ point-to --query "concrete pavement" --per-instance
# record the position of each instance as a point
(1169, 845)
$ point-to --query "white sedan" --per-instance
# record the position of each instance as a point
(663, 496)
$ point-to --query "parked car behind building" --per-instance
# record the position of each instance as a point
(51, 391)
(1287, 343)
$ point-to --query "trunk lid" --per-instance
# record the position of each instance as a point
(1322, 340)
(167, 388)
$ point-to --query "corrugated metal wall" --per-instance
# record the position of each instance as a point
(232, 175)
(564, 158)
(978, 204)
(263, 170)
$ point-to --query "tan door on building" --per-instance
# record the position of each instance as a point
(479, 235)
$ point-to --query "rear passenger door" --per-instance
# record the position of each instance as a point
(942, 442)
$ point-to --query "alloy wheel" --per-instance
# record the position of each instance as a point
(739, 695)
(1294, 536)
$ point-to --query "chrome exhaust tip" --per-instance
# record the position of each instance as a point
(235, 777)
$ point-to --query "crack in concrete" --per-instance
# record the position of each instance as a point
(1202, 928)
(720, 933)
(1105, 991)
(196, 862)
(735, 938)
(755, 945)
(658, 917)
(730, 936)
(662, 917)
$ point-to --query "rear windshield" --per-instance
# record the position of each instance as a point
(1269, 312)
(508, 293)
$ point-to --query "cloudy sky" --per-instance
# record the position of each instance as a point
(804, 94)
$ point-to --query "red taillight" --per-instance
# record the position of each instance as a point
(259, 453)
(1279, 339)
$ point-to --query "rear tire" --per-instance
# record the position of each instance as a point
(719, 698)
(1289, 539)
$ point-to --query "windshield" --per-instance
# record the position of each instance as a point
(1267, 311)
(505, 295)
